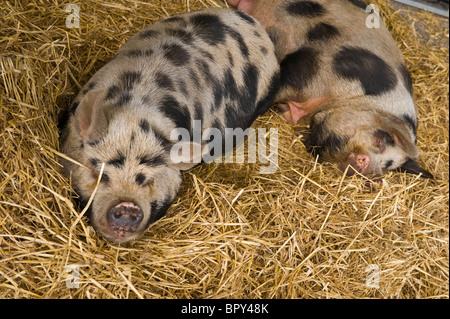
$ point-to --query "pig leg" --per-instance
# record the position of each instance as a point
(293, 111)
(243, 5)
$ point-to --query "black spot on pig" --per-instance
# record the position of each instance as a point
(406, 78)
(214, 152)
(232, 118)
(94, 143)
(245, 17)
(209, 78)
(388, 164)
(299, 68)
(198, 111)
(230, 59)
(138, 53)
(129, 79)
(164, 81)
(251, 80)
(321, 141)
(374, 74)
(218, 92)
(177, 112)
(322, 32)
(105, 178)
(124, 98)
(217, 124)
(148, 34)
(88, 87)
(184, 36)
(182, 87)
(162, 140)
(267, 101)
(308, 9)
(359, 3)
(118, 162)
(176, 19)
(412, 124)
(140, 179)
(333, 143)
(94, 162)
(209, 28)
(113, 92)
(242, 46)
(194, 78)
(207, 55)
(144, 125)
(152, 161)
(176, 54)
(73, 107)
(242, 98)
(158, 210)
(231, 92)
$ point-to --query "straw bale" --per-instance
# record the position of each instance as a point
(305, 231)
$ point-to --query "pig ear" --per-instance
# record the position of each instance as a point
(400, 135)
(293, 111)
(185, 155)
(91, 117)
(411, 166)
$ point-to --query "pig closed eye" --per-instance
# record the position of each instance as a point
(383, 139)
(105, 177)
(142, 180)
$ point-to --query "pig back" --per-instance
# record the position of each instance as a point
(339, 49)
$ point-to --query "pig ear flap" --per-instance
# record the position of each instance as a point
(401, 136)
(293, 111)
(90, 115)
(411, 166)
(185, 155)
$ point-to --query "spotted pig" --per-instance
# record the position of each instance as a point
(341, 67)
(217, 66)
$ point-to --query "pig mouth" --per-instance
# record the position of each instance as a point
(123, 221)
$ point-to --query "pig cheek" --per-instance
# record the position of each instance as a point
(149, 194)
(98, 216)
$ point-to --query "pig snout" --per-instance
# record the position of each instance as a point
(124, 219)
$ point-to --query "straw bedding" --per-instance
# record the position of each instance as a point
(303, 232)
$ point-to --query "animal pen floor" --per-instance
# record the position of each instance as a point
(304, 231)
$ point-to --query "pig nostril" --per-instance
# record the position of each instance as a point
(124, 218)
